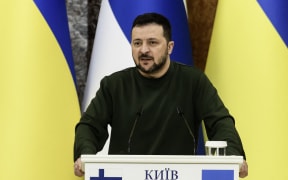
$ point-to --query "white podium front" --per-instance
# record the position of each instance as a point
(154, 167)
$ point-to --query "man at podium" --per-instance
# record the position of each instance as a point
(156, 107)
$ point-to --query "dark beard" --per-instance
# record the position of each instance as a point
(155, 67)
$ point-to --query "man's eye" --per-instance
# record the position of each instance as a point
(137, 43)
(153, 42)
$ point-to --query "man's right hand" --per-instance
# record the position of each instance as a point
(78, 168)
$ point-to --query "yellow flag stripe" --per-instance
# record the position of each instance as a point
(248, 64)
(39, 105)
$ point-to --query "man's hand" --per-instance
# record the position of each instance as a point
(243, 170)
(78, 168)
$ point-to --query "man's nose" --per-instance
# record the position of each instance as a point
(144, 48)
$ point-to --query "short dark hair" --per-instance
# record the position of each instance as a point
(150, 18)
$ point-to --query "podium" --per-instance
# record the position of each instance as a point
(161, 167)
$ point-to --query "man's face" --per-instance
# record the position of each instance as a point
(150, 50)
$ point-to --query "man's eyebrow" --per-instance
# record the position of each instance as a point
(137, 39)
(149, 39)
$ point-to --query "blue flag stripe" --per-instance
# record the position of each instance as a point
(54, 12)
(174, 10)
(217, 175)
(277, 13)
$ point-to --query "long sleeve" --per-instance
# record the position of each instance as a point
(220, 125)
(91, 132)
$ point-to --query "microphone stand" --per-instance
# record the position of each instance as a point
(181, 114)
(138, 115)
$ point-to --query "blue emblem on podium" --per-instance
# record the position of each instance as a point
(102, 177)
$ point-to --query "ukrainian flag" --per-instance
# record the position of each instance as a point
(38, 101)
(248, 64)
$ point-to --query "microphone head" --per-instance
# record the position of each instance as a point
(140, 111)
(179, 111)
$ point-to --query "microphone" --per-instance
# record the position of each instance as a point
(138, 115)
(181, 114)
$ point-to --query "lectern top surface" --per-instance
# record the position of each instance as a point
(174, 159)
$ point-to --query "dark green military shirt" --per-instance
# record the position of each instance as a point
(160, 129)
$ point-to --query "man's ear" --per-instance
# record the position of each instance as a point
(170, 47)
